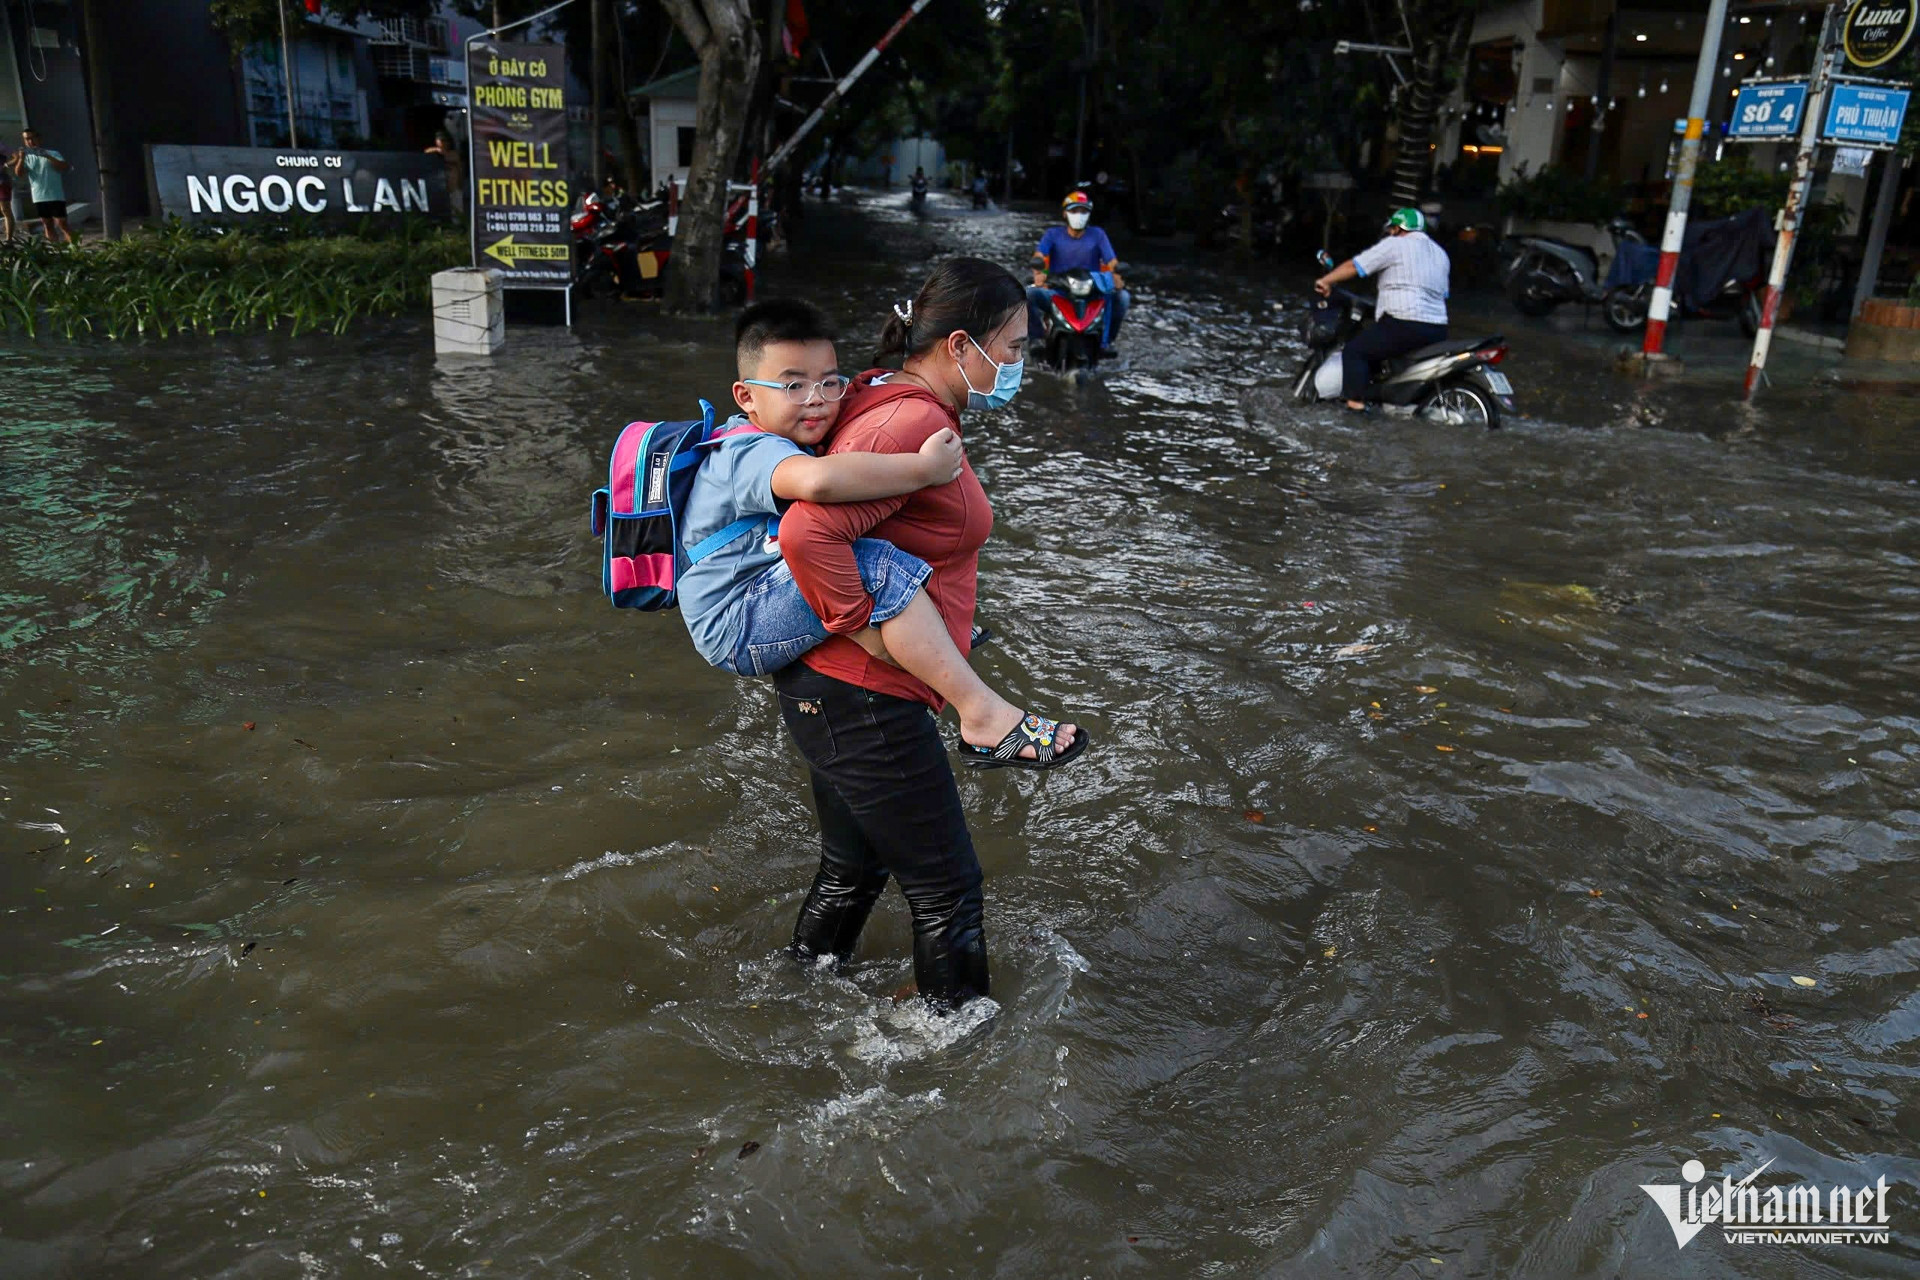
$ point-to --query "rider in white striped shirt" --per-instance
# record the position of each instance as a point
(1410, 273)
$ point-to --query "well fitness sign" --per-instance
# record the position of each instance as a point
(268, 184)
(518, 118)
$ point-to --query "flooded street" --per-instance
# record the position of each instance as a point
(1480, 825)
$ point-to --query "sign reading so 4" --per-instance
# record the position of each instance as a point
(1768, 110)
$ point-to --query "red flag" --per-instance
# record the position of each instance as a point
(794, 34)
(313, 7)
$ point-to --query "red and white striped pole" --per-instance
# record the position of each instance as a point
(872, 55)
(1810, 125)
(1676, 231)
(751, 254)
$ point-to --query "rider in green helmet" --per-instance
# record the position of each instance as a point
(1410, 274)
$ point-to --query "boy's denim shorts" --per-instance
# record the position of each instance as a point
(778, 625)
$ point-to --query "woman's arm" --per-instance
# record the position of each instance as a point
(817, 540)
(860, 477)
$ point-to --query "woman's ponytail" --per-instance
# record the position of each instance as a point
(963, 295)
(896, 336)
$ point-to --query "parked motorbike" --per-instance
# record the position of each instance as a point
(1626, 307)
(1452, 382)
(619, 244)
(1543, 272)
(1076, 319)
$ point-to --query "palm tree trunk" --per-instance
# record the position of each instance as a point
(1443, 32)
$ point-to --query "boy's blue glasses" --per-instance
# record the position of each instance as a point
(829, 389)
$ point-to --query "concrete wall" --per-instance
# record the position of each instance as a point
(173, 81)
(53, 94)
(665, 118)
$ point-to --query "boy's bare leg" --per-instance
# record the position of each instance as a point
(916, 639)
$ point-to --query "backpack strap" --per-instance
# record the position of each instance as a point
(739, 528)
(708, 545)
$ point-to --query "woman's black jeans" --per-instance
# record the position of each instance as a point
(883, 787)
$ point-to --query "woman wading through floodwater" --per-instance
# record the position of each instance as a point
(882, 782)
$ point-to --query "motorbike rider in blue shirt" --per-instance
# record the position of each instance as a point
(1077, 246)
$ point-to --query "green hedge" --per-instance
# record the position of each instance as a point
(178, 279)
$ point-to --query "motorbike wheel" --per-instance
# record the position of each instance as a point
(1529, 298)
(1626, 309)
(1303, 392)
(1750, 313)
(590, 279)
(1462, 404)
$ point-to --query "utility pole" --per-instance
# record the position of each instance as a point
(286, 74)
(1670, 241)
(600, 52)
(1810, 125)
(105, 144)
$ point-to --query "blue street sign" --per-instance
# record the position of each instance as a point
(1766, 111)
(1862, 113)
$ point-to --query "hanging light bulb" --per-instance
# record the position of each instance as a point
(1613, 104)
(1663, 84)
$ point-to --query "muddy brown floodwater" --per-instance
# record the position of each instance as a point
(1482, 825)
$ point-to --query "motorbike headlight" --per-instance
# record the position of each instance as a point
(1080, 286)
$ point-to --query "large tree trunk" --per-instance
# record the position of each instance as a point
(1440, 28)
(728, 41)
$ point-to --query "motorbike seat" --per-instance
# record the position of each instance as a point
(1450, 347)
(1585, 251)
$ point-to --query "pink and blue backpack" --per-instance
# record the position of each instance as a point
(639, 514)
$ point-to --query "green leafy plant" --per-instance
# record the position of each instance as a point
(183, 279)
(1733, 185)
(1555, 194)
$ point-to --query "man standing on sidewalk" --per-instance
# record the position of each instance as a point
(42, 167)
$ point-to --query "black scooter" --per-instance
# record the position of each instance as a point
(1452, 382)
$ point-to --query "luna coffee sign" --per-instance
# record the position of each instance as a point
(247, 184)
(1876, 31)
(521, 197)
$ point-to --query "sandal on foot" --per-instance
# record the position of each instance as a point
(981, 638)
(1032, 731)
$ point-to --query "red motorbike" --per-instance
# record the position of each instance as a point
(1076, 321)
(620, 245)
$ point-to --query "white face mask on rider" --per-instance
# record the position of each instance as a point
(1078, 219)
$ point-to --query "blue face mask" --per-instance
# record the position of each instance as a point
(1006, 382)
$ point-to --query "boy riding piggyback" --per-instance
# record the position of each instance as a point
(742, 607)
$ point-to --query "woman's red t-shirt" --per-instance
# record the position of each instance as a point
(945, 526)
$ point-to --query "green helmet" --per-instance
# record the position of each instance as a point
(1407, 220)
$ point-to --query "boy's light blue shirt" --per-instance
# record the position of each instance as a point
(735, 482)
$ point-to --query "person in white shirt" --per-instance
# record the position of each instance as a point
(1410, 273)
